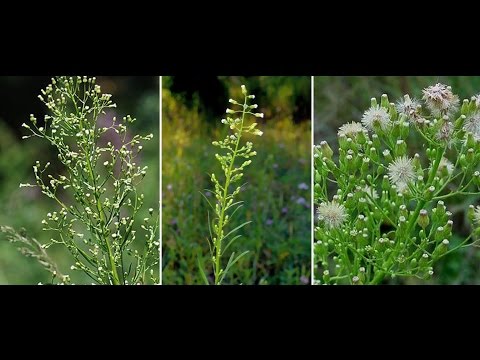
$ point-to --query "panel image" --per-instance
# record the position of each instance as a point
(236, 180)
(79, 183)
(397, 180)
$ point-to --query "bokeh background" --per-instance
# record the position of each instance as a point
(341, 99)
(277, 194)
(26, 207)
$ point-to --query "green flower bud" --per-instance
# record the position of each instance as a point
(471, 213)
(326, 276)
(470, 155)
(459, 122)
(387, 156)
(342, 142)
(439, 233)
(424, 260)
(423, 219)
(400, 148)
(428, 193)
(441, 249)
(365, 165)
(350, 202)
(465, 106)
(463, 161)
(392, 111)
(376, 141)
(470, 140)
(384, 101)
(326, 150)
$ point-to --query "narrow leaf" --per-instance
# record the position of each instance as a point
(237, 228)
(208, 201)
(202, 273)
(230, 243)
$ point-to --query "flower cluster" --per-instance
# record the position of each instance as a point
(225, 205)
(382, 211)
(99, 226)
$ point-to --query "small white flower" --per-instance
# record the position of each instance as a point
(401, 172)
(376, 115)
(350, 129)
(407, 106)
(332, 214)
(476, 215)
(445, 133)
(472, 124)
(440, 99)
(445, 164)
(370, 191)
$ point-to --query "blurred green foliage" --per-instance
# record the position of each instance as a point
(341, 99)
(277, 194)
(26, 207)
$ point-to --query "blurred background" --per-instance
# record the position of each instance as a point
(342, 99)
(277, 194)
(26, 207)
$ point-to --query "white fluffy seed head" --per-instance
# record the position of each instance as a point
(440, 99)
(376, 115)
(401, 172)
(351, 129)
(332, 214)
(476, 215)
(472, 124)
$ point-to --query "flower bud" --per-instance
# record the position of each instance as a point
(439, 233)
(387, 156)
(428, 194)
(465, 106)
(376, 141)
(326, 150)
(400, 148)
(470, 140)
(404, 130)
(441, 249)
(423, 219)
(471, 213)
(384, 101)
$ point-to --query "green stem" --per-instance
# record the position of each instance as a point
(116, 279)
(380, 275)
(218, 244)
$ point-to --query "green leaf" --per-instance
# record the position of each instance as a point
(237, 228)
(207, 200)
(202, 273)
(231, 263)
(230, 243)
(234, 211)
